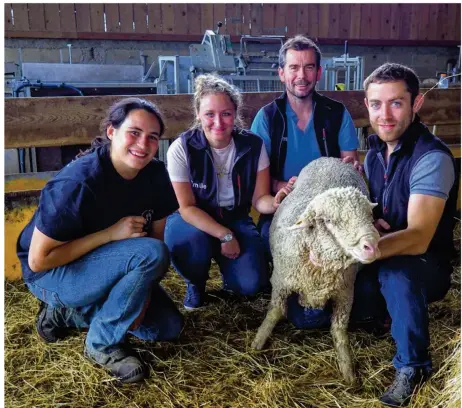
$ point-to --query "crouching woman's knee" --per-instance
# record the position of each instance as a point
(151, 259)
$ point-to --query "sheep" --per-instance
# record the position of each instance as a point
(318, 235)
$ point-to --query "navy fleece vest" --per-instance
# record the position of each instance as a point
(204, 180)
(391, 188)
(328, 116)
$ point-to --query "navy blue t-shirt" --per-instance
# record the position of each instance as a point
(88, 195)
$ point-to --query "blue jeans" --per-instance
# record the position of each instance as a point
(263, 226)
(192, 251)
(405, 285)
(107, 290)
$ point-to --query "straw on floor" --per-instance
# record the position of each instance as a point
(212, 364)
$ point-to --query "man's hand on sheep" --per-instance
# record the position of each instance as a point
(355, 163)
(231, 249)
(284, 191)
(382, 227)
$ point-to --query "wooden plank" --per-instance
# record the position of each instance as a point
(83, 16)
(291, 18)
(20, 17)
(424, 21)
(334, 20)
(140, 12)
(126, 17)
(97, 17)
(36, 17)
(246, 19)
(415, 21)
(207, 22)
(168, 18)
(303, 20)
(256, 14)
(269, 11)
(395, 15)
(194, 13)
(442, 22)
(375, 20)
(280, 18)
(233, 16)
(385, 20)
(345, 21)
(405, 21)
(155, 18)
(52, 20)
(453, 23)
(67, 16)
(324, 20)
(180, 18)
(355, 21)
(112, 17)
(219, 15)
(366, 20)
(8, 18)
(63, 121)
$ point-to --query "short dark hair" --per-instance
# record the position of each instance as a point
(299, 43)
(116, 115)
(391, 72)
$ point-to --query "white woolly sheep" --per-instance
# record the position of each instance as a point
(318, 235)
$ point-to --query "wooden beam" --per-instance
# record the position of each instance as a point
(61, 121)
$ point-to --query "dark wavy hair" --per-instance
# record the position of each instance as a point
(117, 114)
(392, 72)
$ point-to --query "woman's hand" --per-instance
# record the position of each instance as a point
(231, 249)
(284, 191)
(382, 227)
(127, 227)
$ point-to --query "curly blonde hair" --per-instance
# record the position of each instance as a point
(208, 84)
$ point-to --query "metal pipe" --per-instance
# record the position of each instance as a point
(43, 85)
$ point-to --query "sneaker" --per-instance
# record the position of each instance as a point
(194, 298)
(127, 369)
(47, 324)
(406, 381)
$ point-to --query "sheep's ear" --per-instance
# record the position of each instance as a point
(306, 220)
(373, 205)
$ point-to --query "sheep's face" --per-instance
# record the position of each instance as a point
(339, 224)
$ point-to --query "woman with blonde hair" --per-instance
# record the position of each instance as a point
(218, 170)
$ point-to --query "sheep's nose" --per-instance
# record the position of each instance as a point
(369, 249)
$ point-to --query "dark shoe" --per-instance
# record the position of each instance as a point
(48, 324)
(127, 369)
(406, 380)
(195, 296)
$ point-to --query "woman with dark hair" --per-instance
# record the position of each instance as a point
(93, 252)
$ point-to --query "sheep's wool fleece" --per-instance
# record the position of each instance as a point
(345, 203)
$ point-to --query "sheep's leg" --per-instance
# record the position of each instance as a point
(339, 328)
(272, 317)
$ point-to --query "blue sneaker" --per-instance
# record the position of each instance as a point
(194, 298)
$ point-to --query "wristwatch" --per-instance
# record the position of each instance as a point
(228, 237)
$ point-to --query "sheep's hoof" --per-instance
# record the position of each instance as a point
(350, 380)
(258, 344)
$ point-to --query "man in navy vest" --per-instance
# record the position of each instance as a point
(301, 125)
(412, 177)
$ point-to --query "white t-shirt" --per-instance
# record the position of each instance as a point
(223, 159)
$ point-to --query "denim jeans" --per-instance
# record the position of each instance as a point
(107, 290)
(405, 285)
(263, 227)
(192, 251)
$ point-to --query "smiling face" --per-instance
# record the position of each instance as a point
(217, 114)
(390, 110)
(300, 73)
(135, 143)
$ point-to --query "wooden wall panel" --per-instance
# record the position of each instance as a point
(126, 17)
(155, 19)
(21, 17)
(408, 23)
(140, 11)
(83, 17)
(180, 18)
(207, 21)
(194, 13)
(97, 17)
(112, 17)
(67, 17)
(36, 17)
